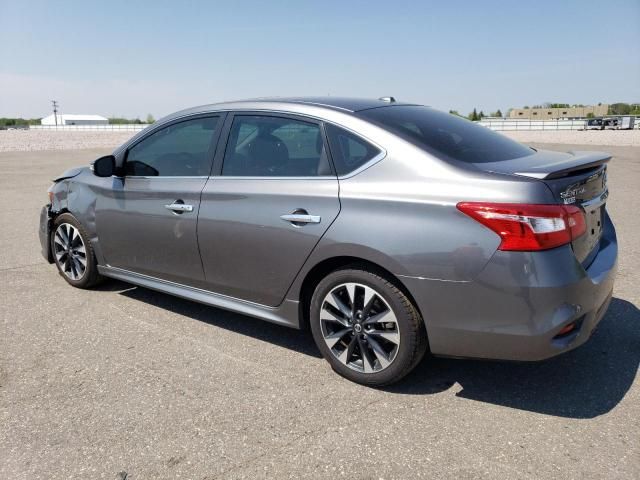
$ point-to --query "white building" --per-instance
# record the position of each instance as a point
(68, 119)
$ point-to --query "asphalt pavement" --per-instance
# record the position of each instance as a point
(124, 382)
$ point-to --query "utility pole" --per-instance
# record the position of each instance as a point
(55, 111)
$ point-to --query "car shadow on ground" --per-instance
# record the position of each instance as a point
(241, 324)
(584, 383)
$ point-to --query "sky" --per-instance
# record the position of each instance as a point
(133, 58)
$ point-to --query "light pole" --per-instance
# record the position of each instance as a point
(55, 111)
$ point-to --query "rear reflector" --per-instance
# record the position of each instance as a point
(566, 329)
(525, 227)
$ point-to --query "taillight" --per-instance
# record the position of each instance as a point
(525, 227)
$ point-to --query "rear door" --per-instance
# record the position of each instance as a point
(146, 220)
(274, 197)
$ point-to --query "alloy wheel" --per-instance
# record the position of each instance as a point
(359, 327)
(70, 251)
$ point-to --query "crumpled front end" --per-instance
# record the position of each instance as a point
(44, 232)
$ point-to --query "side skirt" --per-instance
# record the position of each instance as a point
(286, 314)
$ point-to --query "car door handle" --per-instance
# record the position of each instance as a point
(301, 218)
(179, 207)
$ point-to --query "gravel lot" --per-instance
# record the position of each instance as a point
(35, 140)
(592, 138)
(123, 379)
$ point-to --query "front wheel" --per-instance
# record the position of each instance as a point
(73, 253)
(366, 327)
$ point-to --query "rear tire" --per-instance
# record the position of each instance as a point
(366, 327)
(72, 252)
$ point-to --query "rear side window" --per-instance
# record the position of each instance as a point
(266, 146)
(349, 152)
(179, 150)
(446, 135)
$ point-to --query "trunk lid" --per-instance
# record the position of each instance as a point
(574, 178)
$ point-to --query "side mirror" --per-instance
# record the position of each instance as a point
(104, 166)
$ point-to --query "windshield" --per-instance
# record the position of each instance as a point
(446, 135)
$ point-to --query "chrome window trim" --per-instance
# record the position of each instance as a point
(370, 163)
(353, 173)
(364, 166)
(160, 176)
(240, 177)
(318, 122)
(361, 168)
(155, 127)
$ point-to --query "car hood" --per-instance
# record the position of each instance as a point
(72, 172)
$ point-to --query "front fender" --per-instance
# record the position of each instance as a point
(76, 195)
(81, 203)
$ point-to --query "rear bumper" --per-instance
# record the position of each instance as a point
(517, 305)
(45, 232)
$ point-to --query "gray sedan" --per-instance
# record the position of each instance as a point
(388, 229)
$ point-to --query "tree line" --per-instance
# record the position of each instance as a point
(624, 109)
(131, 121)
(475, 115)
(24, 122)
(18, 122)
(619, 108)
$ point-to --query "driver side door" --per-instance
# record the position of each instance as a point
(146, 220)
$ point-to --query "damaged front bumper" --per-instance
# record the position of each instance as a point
(46, 221)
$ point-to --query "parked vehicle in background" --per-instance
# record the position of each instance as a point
(594, 124)
(627, 122)
(388, 228)
(611, 123)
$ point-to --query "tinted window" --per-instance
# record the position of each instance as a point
(447, 135)
(179, 150)
(264, 146)
(349, 152)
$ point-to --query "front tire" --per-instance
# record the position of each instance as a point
(366, 327)
(72, 252)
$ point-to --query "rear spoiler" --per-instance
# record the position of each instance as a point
(579, 162)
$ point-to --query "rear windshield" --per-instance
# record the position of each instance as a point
(447, 135)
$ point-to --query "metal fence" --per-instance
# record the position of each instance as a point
(504, 124)
(500, 124)
(517, 124)
(116, 127)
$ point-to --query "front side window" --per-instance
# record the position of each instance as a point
(179, 150)
(266, 146)
(447, 135)
(349, 152)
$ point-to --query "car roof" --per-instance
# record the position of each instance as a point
(350, 104)
(324, 107)
(342, 104)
